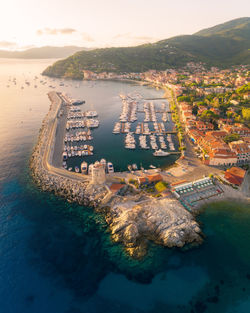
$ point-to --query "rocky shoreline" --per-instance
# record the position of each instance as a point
(132, 221)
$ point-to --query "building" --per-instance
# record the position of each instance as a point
(235, 175)
(149, 179)
(242, 150)
(98, 174)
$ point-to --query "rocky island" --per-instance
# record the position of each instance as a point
(133, 219)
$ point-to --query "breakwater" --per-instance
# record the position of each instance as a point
(72, 186)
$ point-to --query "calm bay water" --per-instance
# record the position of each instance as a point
(58, 257)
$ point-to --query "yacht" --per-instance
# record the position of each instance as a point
(90, 169)
(84, 167)
(161, 153)
(65, 156)
(110, 167)
(103, 162)
(77, 102)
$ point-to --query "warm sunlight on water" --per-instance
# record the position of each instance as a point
(58, 257)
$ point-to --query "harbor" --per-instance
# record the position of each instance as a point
(177, 226)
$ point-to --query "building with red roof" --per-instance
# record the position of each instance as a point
(235, 175)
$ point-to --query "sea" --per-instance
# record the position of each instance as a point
(57, 257)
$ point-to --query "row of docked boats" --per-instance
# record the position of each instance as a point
(87, 169)
(77, 138)
(129, 108)
(130, 141)
(77, 151)
(90, 123)
(171, 144)
(149, 110)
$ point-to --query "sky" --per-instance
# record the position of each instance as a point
(105, 23)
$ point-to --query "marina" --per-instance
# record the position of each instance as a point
(149, 133)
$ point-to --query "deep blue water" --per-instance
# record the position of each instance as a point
(58, 257)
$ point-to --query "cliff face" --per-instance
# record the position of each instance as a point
(163, 221)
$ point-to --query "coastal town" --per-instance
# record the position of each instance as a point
(213, 108)
(210, 110)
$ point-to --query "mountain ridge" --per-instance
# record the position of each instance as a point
(221, 45)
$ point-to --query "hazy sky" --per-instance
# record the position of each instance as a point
(99, 23)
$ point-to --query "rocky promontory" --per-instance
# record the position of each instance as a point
(163, 221)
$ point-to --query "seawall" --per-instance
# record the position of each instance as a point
(50, 178)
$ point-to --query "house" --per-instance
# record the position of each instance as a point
(142, 180)
(200, 125)
(195, 134)
(114, 188)
(242, 150)
(222, 157)
(235, 175)
(154, 178)
(149, 179)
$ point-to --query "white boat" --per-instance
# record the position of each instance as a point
(152, 166)
(161, 153)
(110, 167)
(84, 167)
(103, 162)
(90, 169)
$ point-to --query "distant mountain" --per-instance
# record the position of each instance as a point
(47, 52)
(222, 45)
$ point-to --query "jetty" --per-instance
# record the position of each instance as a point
(46, 160)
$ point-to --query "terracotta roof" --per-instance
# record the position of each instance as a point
(154, 177)
(236, 171)
(116, 187)
(141, 180)
(179, 183)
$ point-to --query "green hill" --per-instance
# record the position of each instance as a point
(223, 45)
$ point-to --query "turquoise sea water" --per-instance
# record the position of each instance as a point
(58, 257)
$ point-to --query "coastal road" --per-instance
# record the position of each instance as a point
(59, 135)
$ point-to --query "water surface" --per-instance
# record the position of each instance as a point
(58, 257)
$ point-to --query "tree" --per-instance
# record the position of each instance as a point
(246, 114)
(231, 137)
(208, 116)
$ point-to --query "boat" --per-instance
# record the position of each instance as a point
(152, 166)
(134, 167)
(65, 156)
(84, 167)
(70, 169)
(161, 153)
(77, 102)
(103, 162)
(77, 170)
(90, 169)
(110, 167)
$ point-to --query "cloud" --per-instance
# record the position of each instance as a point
(87, 37)
(55, 31)
(7, 44)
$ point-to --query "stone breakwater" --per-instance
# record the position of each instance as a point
(74, 187)
(132, 220)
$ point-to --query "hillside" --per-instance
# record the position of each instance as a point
(223, 45)
(42, 52)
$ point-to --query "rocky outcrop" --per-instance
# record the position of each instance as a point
(163, 221)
